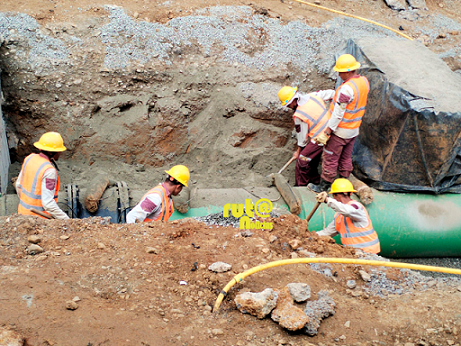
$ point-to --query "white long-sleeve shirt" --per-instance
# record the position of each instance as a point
(300, 125)
(149, 207)
(352, 211)
(49, 181)
(345, 96)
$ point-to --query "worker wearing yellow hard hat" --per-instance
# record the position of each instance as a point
(157, 203)
(347, 110)
(351, 220)
(310, 118)
(38, 182)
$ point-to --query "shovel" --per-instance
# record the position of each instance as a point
(313, 211)
(286, 165)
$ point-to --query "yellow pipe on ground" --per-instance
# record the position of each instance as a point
(239, 277)
(356, 17)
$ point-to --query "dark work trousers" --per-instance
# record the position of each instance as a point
(307, 164)
(337, 157)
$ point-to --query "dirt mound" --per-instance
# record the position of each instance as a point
(149, 284)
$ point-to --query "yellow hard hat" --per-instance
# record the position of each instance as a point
(50, 141)
(180, 173)
(346, 63)
(286, 94)
(342, 185)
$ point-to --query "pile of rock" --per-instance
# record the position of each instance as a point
(281, 306)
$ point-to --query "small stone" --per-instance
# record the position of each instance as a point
(217, 331)
(34, 239)
(101, 246)
(294, 243)
(151, 250)
(219, 267)
(266, 250)
(71, 305)
(272, 238)
(76, 299)
(441, 5)
(364, 275)
(34, 249)
(351, 284)
(347, 324)
(64, 237)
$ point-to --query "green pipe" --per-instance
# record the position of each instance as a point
(408, 225)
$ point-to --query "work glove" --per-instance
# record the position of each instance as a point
(322, 197)
(322, 138)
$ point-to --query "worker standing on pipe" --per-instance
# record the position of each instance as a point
(347, 110)
(38, 181)
(157, 204)
(311, 118)
(351, 220)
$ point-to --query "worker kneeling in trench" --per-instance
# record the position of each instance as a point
(351, 220)
(157, 203)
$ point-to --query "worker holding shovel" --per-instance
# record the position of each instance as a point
(38, 181)
(347, 110)
(157, 203)
(351, 220)
(310, 118)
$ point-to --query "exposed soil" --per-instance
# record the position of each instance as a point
(127, 296)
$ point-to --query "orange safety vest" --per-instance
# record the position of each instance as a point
(356, 108)
(167, 203)
(315, 114)
(30, 185)
(363, 238)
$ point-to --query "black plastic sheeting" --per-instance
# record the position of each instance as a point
(404, 145)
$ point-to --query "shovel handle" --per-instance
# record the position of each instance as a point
(313, 211)
(287, 164)
(38, 212)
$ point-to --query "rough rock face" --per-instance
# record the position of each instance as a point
(299, 292)
(318, 310)
(10, 338)
(257, 304)
(287, 314)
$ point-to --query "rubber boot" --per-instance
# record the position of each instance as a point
(324, 185)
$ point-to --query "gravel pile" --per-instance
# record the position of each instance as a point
(218, 219)
(232, 34)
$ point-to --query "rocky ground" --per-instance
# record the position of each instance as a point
(86, 282)
(137, 86)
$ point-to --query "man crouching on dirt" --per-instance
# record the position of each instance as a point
(157, 203)
(351, 219)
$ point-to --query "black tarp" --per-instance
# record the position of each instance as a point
(410, 134)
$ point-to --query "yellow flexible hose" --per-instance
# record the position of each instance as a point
(239, 277)
(356, 17)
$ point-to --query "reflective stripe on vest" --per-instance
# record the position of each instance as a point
(167, 203)
(315, 114)
(364, 238)
(356, 108)
(30, 185)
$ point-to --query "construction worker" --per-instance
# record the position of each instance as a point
(38, 181)
(351, 219)
(347, 110)
(310, 118)
(157, 204)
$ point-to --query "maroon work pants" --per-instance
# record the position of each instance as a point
(337, 157)
(307, 165)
